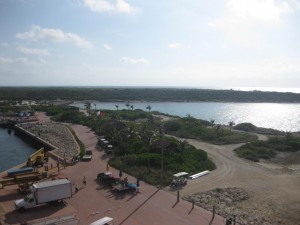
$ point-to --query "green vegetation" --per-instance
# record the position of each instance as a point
(267, 149)
(142, 94)
(249, 127)
(245, 127)
(146, 163)
(81, 145)
(189, 127)
(138, 140)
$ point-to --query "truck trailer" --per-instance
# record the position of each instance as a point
(45, 192)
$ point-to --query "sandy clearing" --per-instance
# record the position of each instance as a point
(274, 194)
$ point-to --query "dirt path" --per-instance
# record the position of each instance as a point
(274, 195)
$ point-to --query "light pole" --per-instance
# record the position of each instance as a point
(161, 132)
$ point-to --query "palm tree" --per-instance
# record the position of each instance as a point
(288, 135)
(147, 133)
(149, 108)
(182, 145)
(132, 106)
(117, 106)
(95, 106)
(189, 120)
(127, 105)
(212, 122)
(161, 134)
(218, 128)
(231, 123)
(87, 105)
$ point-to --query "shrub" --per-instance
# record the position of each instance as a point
(245, 127)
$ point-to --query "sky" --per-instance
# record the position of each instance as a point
(173, 43)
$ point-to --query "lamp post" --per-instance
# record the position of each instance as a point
(161, 132)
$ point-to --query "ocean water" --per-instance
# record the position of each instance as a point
(279, 116)
(13, 150)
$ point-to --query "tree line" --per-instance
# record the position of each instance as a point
(143, 94)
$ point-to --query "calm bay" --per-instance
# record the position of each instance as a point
(279, 116)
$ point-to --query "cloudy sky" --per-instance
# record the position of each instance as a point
(190, 43)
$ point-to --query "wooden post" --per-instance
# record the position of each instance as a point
(177, 196)
(193, 204)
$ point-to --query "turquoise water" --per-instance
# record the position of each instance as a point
(13, 150)
(279, 116)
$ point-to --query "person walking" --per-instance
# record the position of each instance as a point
(137, 185)
(76, 188)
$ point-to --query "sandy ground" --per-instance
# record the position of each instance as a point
(273, 193)
(90, 203)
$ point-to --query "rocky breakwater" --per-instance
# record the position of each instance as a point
(226, 204)
(57, 135)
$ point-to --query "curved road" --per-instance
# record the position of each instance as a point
(275, 195)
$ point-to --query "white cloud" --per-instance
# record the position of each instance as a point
(4, 60)
(4, 44)
(244, 16)
(23, 61)
(34, 51)
(107, 47)
(258, 10)
(132, 61)
(175, 45)
(37, 33)
(121, 6)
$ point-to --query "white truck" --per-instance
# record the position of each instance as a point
(88, 155)
(45, 192)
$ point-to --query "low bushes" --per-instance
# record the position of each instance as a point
(267, 149)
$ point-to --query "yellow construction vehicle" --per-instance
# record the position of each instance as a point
(23, 180)
(37, 158)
